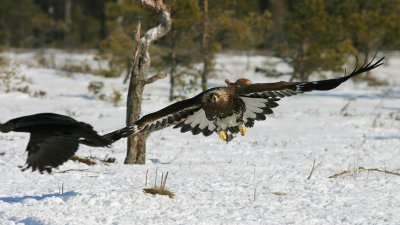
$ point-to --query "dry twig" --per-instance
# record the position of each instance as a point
(362, 169)
(61, 189)
(147, 172)
(76, 170)
(314, 167)
(343, 110)
(254, 185)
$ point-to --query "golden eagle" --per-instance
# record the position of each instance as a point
(232, 109)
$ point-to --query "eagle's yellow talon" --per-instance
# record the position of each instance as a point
(243, 130)
(223, 135)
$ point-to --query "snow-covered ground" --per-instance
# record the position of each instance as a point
(257, 179)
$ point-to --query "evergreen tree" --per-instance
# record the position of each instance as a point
(371, 25)
(118, 44)
(16, 22)
(315, 40)
(183, 47)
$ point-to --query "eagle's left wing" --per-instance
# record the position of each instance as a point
(260, 98)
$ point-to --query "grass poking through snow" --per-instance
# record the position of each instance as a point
(159, 190)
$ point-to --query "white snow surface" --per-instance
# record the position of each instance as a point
(257, 179)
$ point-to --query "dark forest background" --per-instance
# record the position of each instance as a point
(311, 35)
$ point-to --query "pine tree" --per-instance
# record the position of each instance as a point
(118, 44)
(184, 50)
(315, 40)
(371, 25)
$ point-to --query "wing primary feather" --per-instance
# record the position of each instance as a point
(152, 127)
(279, 94)
(185, 128)
(196, 130)
(158, 125)
(249, 123)
(207, 132)
(271, 104)
(260, 116)
(171, 119)
(267, 110)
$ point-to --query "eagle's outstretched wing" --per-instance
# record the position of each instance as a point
(170, 115)
(260, 98)
(283, 89)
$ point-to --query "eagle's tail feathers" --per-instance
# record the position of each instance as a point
(121, 133)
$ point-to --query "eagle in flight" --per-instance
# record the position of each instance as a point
(224, 110)
(232, 109)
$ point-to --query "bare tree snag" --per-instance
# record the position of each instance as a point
(136, 153)
(155, 78)
(173, 64)
(205, 48)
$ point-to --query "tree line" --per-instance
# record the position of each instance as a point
(311, 35)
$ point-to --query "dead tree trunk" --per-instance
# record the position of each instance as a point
(136, 153)
(68, 17)
(205, 48)
(173, 65)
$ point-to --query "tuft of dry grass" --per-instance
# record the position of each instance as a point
(106, 159)
(85, 160)
(160, 190)
(278, 193)
(91, 160)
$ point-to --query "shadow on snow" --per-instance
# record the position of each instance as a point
(65, 196)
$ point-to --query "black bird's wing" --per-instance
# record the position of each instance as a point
(47, 150)
(54, 138)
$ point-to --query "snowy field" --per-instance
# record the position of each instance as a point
(257, 179)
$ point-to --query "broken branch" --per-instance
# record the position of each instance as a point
(157, 5)
(155, 78)
(362, 169)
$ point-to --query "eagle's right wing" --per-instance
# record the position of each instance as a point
(170, 115)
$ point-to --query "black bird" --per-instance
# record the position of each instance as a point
(53, 139)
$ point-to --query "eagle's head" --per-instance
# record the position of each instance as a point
(217, 96)
(214, 97)
(238, 83)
